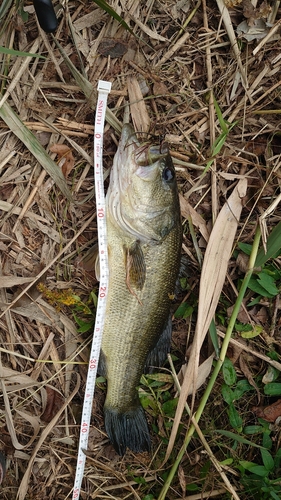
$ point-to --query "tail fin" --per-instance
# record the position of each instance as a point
(127, 430)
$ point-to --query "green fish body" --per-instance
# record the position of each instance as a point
(144, 243)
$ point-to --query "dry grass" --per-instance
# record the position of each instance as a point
(184, 56)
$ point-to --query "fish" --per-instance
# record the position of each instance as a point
(144, 238)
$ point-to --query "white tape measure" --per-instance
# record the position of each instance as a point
(103, 91)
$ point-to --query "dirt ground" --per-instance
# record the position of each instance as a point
(205, 77)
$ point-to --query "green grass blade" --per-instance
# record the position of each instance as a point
(31, 142)
(103, 5)
(273, 246)
(13, 52)
(238, 438)
(214, 337)
(221, 119)
(4, 7)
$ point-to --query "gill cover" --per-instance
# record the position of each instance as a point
(142, 197)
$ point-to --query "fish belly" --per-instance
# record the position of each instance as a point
(133, 324)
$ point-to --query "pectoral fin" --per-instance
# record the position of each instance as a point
(135, 266)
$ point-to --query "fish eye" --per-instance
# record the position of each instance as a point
(168, 174)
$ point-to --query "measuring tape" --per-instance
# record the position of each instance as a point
(103, 91)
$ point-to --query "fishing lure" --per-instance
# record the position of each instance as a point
(46, 15)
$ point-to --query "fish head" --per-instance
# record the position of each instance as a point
(142, 199)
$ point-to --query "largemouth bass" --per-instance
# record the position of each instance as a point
(144, 244)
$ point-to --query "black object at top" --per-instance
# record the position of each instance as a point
(46, 15)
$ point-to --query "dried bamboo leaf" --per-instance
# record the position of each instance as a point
(203, 372)
(138, 109)
(23, 68)
(9, 207)
(188, 211)
(10, 422)
(31, 142)
(152, 34)
(213, 274)
(232, 38)
(25, 480)
(8, 281)
(14, 376)
(88, 89)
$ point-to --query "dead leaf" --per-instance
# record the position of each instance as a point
(247, 372)
(159, 88)
(269, 375)
(234, 351)
(65, 154)
(260, 315)
(182, 479)
(203, 373)
(54, 403)
(249, 12)
(243, 315)
(23, 487)
(9, 416)
(268, 413)
(112, 47)
(2, 467)
(188, 211)
(213, 275)
(139, 112)
(255, 32)
(257, 146)
(9, 281)
(242, 261)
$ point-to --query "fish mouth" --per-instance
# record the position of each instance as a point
(146, 154)
(140, 154)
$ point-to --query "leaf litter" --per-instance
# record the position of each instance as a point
(182, 54)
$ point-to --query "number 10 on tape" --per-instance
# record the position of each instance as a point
(103, 91)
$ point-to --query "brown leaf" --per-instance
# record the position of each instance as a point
(257, 146)
(159, 88)
(261, 316)
(54, 403)
(182, 479)
(247, 372)
(243, 315)
(64, 153)
(264, 10)
(249, 11)
(269, 413)
(112, 47)
(234, 352)
(188, 211)
(138, 108)
(2, 467)
(242, 262)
